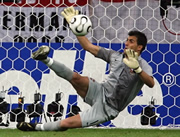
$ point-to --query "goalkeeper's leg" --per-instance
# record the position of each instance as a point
(51, 126)
(60, 69)
(71, 122)
(79, 82)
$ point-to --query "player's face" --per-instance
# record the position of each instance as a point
(131, 43)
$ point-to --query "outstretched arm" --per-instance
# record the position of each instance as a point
(68, 14)
(88, 46)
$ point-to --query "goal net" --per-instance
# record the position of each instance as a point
(31, 92)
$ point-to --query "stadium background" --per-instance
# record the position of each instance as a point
(31, 23)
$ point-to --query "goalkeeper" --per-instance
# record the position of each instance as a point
(128, 73)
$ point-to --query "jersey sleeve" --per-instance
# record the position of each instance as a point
(146, 67)
(105, 54)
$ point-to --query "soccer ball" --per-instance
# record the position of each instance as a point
(80, 25)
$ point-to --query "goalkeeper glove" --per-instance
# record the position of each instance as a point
(69, 13)
(131, 60)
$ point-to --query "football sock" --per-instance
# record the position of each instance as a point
(59, 68)
(50, 126)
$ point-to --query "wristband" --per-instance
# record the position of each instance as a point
(138, 70)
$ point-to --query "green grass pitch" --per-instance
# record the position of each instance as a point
(93, 133)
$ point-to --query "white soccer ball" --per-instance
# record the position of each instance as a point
(80, 25)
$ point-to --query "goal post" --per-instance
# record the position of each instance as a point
(30, 91)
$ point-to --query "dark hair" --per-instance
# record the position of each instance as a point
(141, 38)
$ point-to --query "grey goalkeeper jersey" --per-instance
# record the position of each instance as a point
(122, 85)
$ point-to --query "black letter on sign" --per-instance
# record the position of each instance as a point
(46, 39)
(37, 22)
(54, 21)
(32, 39)
(65, 24)
(59, 39)
(6, 19)
(20, 21)
(18, 38)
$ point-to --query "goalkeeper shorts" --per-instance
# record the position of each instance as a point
(99, 112)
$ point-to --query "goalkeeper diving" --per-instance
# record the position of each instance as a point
(128, 73)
